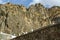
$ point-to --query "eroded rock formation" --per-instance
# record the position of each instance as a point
(18, 20)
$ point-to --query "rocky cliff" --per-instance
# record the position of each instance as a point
(18, 20)
(48, 33)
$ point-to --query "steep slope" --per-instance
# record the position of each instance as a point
(48, 33)
(18, 20)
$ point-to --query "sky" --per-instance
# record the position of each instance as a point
(27, 3)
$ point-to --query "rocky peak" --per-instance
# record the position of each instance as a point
(36, 6)
(54, 11)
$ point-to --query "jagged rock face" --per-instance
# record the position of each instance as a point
(18, 20)
(12, 18)
(54, 14)
(39, 10)
(54, 11)
(39, 15)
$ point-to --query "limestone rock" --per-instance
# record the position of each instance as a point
(18, 20)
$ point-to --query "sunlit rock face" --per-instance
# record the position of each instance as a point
(38, 15)
(54, 11)
(18, 20)
(54, 14)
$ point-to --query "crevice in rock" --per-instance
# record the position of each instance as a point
(6, 20)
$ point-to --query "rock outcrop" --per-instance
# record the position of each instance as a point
(51, 32)
(18, 20)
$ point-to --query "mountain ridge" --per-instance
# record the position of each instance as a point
(18, 20)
